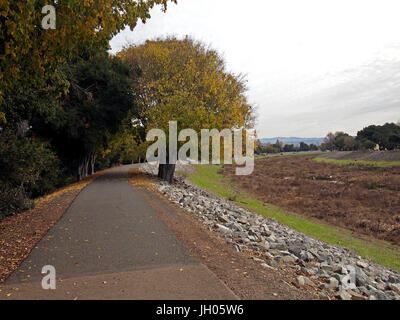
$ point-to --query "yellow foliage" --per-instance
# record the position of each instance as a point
(183, 80)
(3, 118)
(30, 51)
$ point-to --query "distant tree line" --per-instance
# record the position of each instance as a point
(279, 147)
(386, 137)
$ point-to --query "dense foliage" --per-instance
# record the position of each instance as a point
(386, 136)
(62, 97)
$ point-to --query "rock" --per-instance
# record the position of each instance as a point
(344, 295)
(381, 286)
(337, 276)
(295, 250)
(258, 260)
(395, 287)
(308, 282)
(340, 269)
(380, 295)
(323, 295)
(275, 252)
(362, 264)
(264, 245)
(279, 246)
(306, 271)
(333, 283)
(223, 219)
(273, 263)
(306, 256)
(287, 260)
(325, 266)
(267, 266)
(361, 279)
(347, 282)
(223, 229)
(352, 276)
(266, 233)
(300, 281)
(252, 232)
(356, 296)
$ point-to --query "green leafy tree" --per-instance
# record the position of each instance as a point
(304, 146)
(289, 148)
(99, 98)
(386, 136)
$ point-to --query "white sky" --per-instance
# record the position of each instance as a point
(313, 66)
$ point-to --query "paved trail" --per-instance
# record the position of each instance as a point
(111, 244)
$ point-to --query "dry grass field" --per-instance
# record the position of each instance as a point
(361, 196)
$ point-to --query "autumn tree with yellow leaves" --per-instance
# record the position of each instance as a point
(29, 54)
(187, 82)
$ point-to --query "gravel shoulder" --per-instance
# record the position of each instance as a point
(238, 270)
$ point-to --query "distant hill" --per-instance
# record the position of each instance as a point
(292, 140)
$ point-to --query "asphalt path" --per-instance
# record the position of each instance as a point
(111, 244)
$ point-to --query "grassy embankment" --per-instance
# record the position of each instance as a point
(208, 177)
(355, 162)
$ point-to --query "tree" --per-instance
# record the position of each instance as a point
(289, 148)
(386, 136)
(258, 147)
(185, 81)
(349, 143)
(99, 98)
(339, 141)
(365, 144)
(28, 53)
(48, 105)
(278, 146)
(323, 147)
(330, 141)
(304, 146)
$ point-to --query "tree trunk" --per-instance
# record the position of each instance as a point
(92, 162)
(80, 171)
(86, 167)
(83, 166)
(166, 172)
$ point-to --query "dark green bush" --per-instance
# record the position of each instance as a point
(13, 201)
(28, 169)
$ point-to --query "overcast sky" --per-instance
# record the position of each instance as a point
(313, 66)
